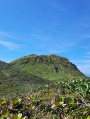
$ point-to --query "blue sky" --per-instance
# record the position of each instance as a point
(42, 27)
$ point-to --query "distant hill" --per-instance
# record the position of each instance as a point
(51, 67)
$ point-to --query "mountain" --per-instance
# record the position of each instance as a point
(50, 67)
(43, 86)
(33, 71)
(14, 81)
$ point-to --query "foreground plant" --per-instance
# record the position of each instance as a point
(65, 100)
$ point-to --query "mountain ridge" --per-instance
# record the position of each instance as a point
(30, 92)
(33, 71)
(42, 65)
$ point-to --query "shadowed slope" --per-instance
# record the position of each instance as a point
(13, 80)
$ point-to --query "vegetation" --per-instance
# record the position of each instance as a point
(33, 71)
(43, 87)
(64, 100)
(51, 67)
(13, 81)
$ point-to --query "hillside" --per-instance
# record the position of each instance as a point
(51, 67)
(14, 81)
(43, 87)
(33, 71)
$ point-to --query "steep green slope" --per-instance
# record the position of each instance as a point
(14, 81)
(51, 67)
(3, 65)
(3, 83)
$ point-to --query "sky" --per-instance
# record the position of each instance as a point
(44, 27)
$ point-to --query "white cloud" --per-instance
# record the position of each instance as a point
(9, 45)
(6, 35)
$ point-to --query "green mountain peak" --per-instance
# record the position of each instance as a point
(51, 67)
